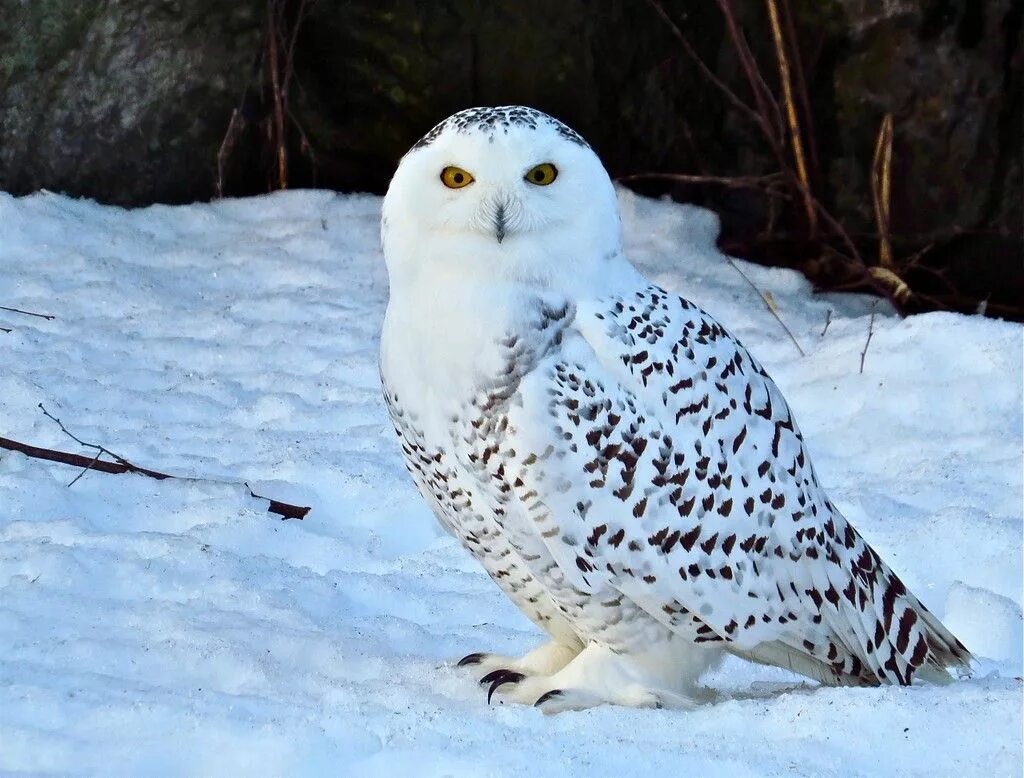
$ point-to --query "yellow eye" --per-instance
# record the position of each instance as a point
(542, 175)
(455, 177)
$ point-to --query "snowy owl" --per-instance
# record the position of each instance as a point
(620, 465)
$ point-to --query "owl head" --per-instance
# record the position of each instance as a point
(500, 193)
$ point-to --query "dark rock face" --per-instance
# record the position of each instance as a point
(950, 73)
(127, 101)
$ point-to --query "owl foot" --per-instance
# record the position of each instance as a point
(544, 660)
(597, 676)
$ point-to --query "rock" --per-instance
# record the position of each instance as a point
(945, 70)
(123, 101)
(128, 101)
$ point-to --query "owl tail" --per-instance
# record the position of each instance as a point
(878, 632)
(889, 635)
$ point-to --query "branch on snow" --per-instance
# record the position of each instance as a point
(46, 316)
(122, 465)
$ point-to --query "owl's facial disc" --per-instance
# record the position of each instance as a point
(507, 191)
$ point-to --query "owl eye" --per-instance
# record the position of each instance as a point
(455, 177)
(542, 175)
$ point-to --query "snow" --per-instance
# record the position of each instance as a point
(168, 627)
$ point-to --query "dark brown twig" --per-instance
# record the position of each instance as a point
(769, 118)
(235, 127)
(702, 66)
(122, 465)
(828, 321)
(871, 331)
(767, 183)
(46, 316)
(274, 14)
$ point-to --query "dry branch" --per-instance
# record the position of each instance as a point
(226, 145)
(122, 465)
(702, 66)
(46, 316)
(871, 331)
(769, 303)
(881, 176)
(771, 183)
(791, 116)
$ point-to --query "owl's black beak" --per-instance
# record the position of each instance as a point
(499, 222)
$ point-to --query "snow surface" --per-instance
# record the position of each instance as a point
(155, 627)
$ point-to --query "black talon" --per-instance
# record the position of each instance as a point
(471, 659)
(494, 675)
(500, 678)
(547, 696)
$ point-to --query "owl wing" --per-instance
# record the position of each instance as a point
(665, 464)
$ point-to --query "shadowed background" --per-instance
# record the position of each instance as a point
(131, 102)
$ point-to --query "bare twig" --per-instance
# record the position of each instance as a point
(122, 465)
(871, 331)
(791, 117)
(6, 329)
(235, 127)
(769, 303)
(800, 85)
(274, 13)
(27, 313)
(79, 441)
(881, 174)
(768, 183)
(702, 66)
(828, 321)
(769, 116)
(86, 469)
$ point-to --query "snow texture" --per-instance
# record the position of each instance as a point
(176, 627)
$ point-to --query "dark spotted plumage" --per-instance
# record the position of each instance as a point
(632, 471)
(499, 119)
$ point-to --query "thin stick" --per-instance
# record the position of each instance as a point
(800, 84)
(791, 117)
(871, 331)
(99, 449)
(273, 20)
(226, 145)
(881, 175)
(701, 66)
(6, 329)
(86, 469)
(768, 303)
(767, 106)
(828, 321)
(122, 465)
(27, 313)
(735, 182)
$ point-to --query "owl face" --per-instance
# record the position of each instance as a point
(506, 191)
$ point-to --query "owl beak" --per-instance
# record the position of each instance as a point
(499, 222)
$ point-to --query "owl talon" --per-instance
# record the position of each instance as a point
(500, 678)
(471, 659)
(547, 696)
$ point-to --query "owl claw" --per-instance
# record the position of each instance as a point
(471, 659)
(500, 678)
(547, 696)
